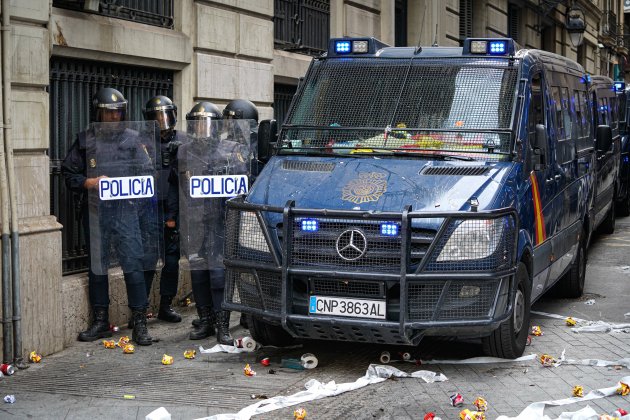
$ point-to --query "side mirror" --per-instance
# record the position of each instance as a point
(267, 137)
(539, 148)
(603, 138)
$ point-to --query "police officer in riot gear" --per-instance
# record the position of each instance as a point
(162, 110)
(110, 106)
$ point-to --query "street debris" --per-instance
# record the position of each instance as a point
(299, 414)
(9, 399)
(478, 360)
(129, 349)
(316, 390)
(385, 357)
(570, 322)
(529, 340)
(623, 389)
(578, 391)
(535, 410)
(259, 397)
(247, 347)
(123, 341)
(272, 371)
(536, 331)
(265, 361)
(158, 414)
(109, 344)
(548, 361)
(466, 414)
(114, 328)
(457, 400)
(481, 404)
(620, 412)
(248, 371)
(593, 362)
(626, 315)
(129, 397)
(309, 361)
(590, 326)
(35, 357)
(431, 416)
(590, 302)
(291, 363)
(167, 360)
(190, 354)
(247, 343)
(7, 369)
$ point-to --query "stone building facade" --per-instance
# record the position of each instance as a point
(213, 50)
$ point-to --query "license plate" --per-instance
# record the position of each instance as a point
(362, 308)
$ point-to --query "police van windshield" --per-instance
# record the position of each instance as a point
(447, 107)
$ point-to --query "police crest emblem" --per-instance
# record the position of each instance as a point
(370, 186)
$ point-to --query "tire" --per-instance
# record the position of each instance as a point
(508, 341)
(571, 285)
(268, 334)
(608, 225)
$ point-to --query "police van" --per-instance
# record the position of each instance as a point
(623, 191)
(608, 154)
(412, 192)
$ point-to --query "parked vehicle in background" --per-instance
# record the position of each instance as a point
(608, 153)
(623, 190)
(415, 192)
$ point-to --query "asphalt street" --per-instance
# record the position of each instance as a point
(90, 381)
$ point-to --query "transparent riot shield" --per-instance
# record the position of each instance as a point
(125, 229)
(213, 165)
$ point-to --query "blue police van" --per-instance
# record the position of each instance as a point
(623, 196)
(412, 192)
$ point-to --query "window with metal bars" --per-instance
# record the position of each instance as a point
(302, 26)
(465, 19)
(514, 21)
(72, 85)
(151, 12)
(282, 97)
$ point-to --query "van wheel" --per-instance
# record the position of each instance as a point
(608, 225)
(268, 334)
(508, 341)
(571, 285)
(623, 206)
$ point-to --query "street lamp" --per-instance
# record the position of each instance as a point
(576, 25)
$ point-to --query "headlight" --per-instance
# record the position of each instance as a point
(250, 233)
(472, 240)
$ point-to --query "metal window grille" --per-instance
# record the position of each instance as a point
(609, 23)
(282, 96)
(302, 25)
(72, 85)
(465, 19)
(514, 21)
(151, 12)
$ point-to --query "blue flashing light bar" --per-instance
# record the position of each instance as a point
(353, 46)
(310, 225)
(620, 86)
(585, 79)
(497, 47)
(489, 46)
(389, 229)
(343, 47)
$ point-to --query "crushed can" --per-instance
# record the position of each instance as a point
(265, 361)
(578, 391)
(481, 404)
(457, 399)
(299, 414)
(35, 357)
(7, 369)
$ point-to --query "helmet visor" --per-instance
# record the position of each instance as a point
(204, 128)
(165, 118)
(110, 114)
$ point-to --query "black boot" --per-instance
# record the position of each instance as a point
(166, 312)
(223, 328)
(99, 327)
(207, 322)
(140, 333)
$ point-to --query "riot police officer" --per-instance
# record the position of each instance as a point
(162, 110)
(117, 220)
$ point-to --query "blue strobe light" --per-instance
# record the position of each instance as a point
(310, 225)
(389, 229)
(342, 47)
(497, 47)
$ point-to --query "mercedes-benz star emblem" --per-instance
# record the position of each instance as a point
(351, 245)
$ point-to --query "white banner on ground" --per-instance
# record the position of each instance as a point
(316, 390)
(535, 410)
(478, 360)
(591, 326)
(222, 348)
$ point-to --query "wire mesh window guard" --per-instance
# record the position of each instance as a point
(151, 12)
(72, 85)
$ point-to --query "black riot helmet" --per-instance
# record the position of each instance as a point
(200, 120)
(161, 109)
(241, 109)
(109, 105)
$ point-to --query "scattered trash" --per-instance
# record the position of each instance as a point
(316, 390)
(299, 414)
(34, 357)
(623, 389)
(536, 410)
(123, 341)
(272, 371)
(265, 361)
(223, 348)
(7, 369)
(167, 360)
(536, 331)
(114, 328)
(481, 404)
(590, 302)
(570, 322)
(129, 397)
(259, 397)
(186, 302)
(9, 399)
(159, 414)
(431, 416)
(385, 357)
(478, 360)
(309, 361)
(578, 391)
(405, 356)
(129, 349)
(603, 326)
(556, 316)
(627, 315)
(190, 354)
(248, 371)
(292, 364)
(149, 315)
(620, 412)
(548, 361)
(529, 340)
(109, 344)
(247, 343)
(457, 399)
(466, 414)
